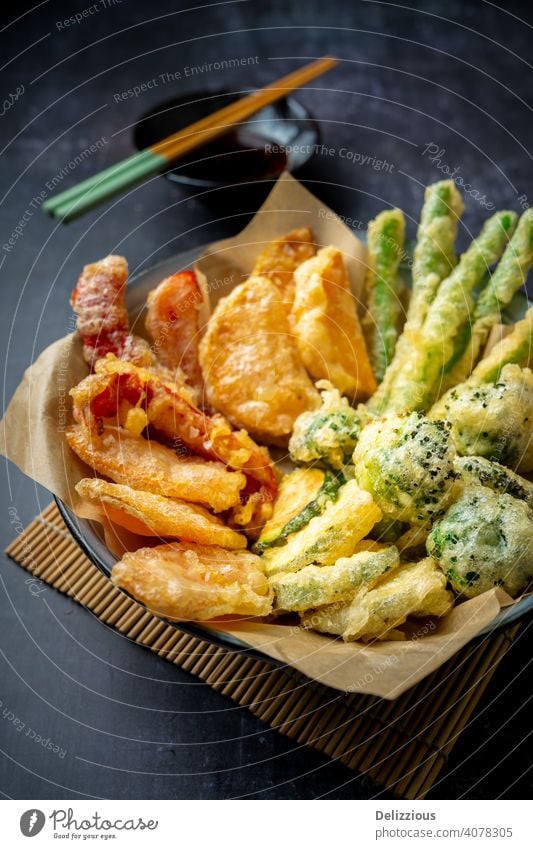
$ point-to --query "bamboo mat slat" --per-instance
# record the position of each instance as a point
(401, 744)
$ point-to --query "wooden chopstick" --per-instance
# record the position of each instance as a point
(156, 158)
(220, 121)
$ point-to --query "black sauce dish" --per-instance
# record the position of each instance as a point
(241, 165)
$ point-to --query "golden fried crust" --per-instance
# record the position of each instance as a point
(98, 299)
(281, 257)
(153, 515)
(117, 384)
(327, 327)
(172, 321)
(184, 582)
(135, 397)
(251, 365)
(413, 589)
(147, 465)
(102, 318)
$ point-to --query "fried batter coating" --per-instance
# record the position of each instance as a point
(134, 398)
(479, 470)
(251, 364)
(172, 322)
(302, 494)
(415, 589)
(281, 257)
(188, 582)
(484, 541)
(325, 320)
(333, 534)
(102, 318)
(147, 465)
(493, 420)
(314, 586)
(406, 463)
(328, 435)
(153, 515)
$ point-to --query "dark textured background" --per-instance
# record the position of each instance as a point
(454, 74)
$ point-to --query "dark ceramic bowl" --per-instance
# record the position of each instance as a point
(280, 137)
(89, 534)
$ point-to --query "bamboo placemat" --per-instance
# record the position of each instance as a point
(401, 744)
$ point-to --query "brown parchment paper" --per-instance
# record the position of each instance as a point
(289, 205)
(32, 436)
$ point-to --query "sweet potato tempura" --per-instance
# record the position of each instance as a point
(251, 364)
(281, 257)
(327, 328)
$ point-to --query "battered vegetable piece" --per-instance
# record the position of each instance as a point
(369, 545)
(187, 581)
(251, 365)
(478, 470)
(120, 393)
(484, 541)
(314, 586)
(147, 465)
(102, 318)
(506, 280)
(412, 544)
(493, 420)
(327, 328)
(280, 258)
(152, 515)
(433, 260)
(434, 255)
(387, 530)
(333, 534)
(172, 322)
(418, 383)
(406, 463)
(415, 589)
(516, 348)
(386, 235)
(302, 494)
(328, 435)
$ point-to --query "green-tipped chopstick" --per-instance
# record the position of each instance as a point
(156, 158)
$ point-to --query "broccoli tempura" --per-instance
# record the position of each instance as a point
(479, 470)
(483, 541)
(493, 420)
(406, 463)
(327, 435)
